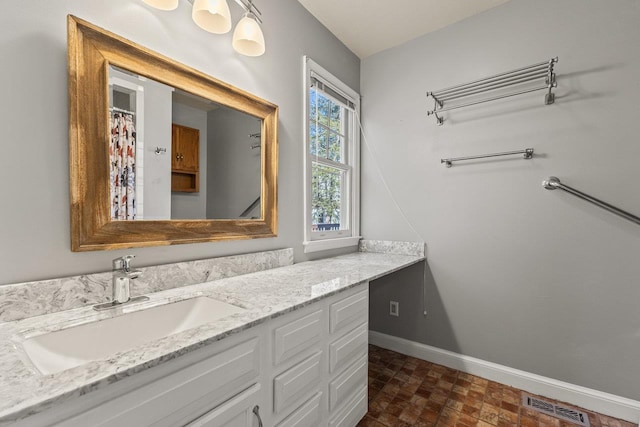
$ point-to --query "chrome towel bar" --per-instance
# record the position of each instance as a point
(528, 154)
(553, 183)
(494, 86)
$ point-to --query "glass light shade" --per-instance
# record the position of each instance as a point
(212, 15)
(162, 4)
(248, 38)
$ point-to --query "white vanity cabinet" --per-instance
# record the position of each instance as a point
(298, 364)
(348, 358)
(319, 362)
(306, 368)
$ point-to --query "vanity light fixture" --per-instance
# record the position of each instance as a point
(214, 16)
(247, 37)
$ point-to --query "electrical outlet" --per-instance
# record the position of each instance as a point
(394, 308)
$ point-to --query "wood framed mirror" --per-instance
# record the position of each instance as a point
(92, 53)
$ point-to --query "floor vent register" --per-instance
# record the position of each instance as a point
(558, 411)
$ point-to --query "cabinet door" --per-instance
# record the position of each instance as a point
(239, 411)
(296, 336)
(175, 147)
(183, 395)
(347, 349)
(307, 415)
(349, 311)
(185, 146)
(297, 382)
(353, 411)
(348, 383)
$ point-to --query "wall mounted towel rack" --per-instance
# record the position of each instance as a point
(553, 183)
(492, 88)
(528, 154)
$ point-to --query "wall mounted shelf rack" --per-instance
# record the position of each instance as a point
(522, 80)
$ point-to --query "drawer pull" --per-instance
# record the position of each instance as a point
(256, 412)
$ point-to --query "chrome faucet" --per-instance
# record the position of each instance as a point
(121, 282)
(122, 276)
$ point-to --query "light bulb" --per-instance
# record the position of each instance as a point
(212, 15)
(162, 4)
(248, 38)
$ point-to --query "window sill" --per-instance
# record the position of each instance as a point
(327, 244)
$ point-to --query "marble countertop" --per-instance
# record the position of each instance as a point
(264, 295)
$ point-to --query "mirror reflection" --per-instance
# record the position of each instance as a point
(175, 155)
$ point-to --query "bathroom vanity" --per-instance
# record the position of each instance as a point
(294, 354)
(285, 370)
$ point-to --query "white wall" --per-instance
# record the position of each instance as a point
(34, 217)
(192, 205)
(518, 275)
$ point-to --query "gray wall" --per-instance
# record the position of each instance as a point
(156, 132)
(34, 218)
(192, 205)
(234, 168)
(518, 275)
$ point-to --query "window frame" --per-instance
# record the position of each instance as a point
(334, 239)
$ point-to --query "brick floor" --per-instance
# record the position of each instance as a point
(404, 391)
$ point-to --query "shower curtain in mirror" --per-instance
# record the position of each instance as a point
(122, 149)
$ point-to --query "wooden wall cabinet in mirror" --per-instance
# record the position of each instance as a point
(185, 159)
(92, 53)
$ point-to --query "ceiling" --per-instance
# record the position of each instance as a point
(370, 26)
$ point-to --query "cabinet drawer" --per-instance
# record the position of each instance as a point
(297, 336)
(308, 415)
(345, 350)
(292, 384)
(351, 309)
(355, 409)
(237, 412)
(182, 395)
(348, 383)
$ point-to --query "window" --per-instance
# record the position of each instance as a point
(332, 160)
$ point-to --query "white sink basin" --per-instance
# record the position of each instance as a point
(57, 351)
